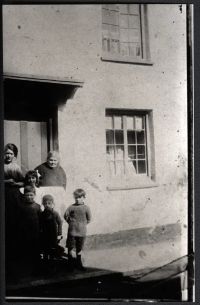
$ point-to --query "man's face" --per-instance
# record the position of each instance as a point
(52, 162)
(29, 197)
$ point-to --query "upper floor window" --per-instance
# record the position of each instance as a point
(125, 33)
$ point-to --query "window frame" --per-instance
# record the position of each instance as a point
(146, 57)
(143, 180)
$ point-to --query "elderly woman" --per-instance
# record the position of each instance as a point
(53, 181)
(51, 173)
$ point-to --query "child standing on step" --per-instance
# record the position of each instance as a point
(77, 215)
(29, 229)
(32, 178)
(51, 225)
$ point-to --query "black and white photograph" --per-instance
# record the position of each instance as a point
(97, 192)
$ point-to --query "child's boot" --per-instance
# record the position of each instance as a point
(79, 263)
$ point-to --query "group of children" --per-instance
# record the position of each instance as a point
(35, 228)
(43, 229)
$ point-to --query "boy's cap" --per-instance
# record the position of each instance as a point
(29, 189)
(47, 197)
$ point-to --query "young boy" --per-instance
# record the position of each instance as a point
(29, 227)
(51, 225)
(77, 215)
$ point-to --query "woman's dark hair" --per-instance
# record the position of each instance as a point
(79, 193)
(31, 173)
(12, 147)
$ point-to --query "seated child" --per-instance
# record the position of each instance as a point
(51, 225)
(77, 215)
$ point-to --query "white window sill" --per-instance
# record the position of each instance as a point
(129, 184)
(125, 59)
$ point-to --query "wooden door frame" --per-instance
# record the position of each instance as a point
(52, 129)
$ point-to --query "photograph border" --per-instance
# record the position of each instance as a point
(193, 148)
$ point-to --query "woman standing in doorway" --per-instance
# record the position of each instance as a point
(53, 180)
(13, 180)
(12, 173)
(51, 173)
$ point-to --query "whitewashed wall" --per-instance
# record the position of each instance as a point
(65, 41)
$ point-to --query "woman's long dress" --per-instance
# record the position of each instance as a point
(12, 203)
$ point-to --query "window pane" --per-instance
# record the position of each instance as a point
(140, 137)
(124, 21)
(119, 137)
(132, 152)
(131, 167)
(106, 6)
(110, 153)
(124, 49)
(132, 49)
(131, 137)
(129, 122)
(135, 49)
(141, 167)
(109, 137)
(114, 31)
(112, 7)
(124, 35)
(106, 44)
(141, 152)
(134, 35)
(138, 51)
(105, 16)
(119, 153)
(106, 28)
(114, 18)
(109, 122)
(118, 122)
(114, 46)
(134, 9)
(134, 22)
(139, 124)
(123, 8)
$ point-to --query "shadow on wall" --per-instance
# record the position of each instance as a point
(134, 237)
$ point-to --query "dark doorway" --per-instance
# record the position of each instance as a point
(31, 116)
